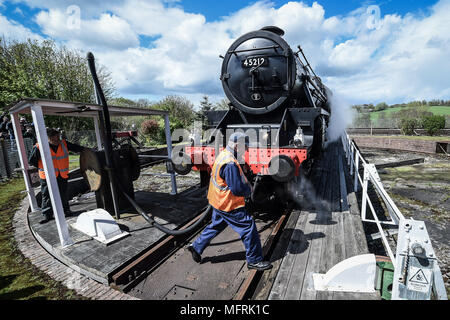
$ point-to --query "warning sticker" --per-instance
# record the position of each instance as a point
(419, 280)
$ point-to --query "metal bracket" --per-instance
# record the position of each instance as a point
(356, 274)
(415, 262)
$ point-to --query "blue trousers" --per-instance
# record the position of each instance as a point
(241, 222)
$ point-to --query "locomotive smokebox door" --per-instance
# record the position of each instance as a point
(257, 73)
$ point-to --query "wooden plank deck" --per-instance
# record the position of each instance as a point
(325, 230)
(98, 261)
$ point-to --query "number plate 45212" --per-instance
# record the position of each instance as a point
(255, 62)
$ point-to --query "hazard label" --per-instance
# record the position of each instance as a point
(419, 280)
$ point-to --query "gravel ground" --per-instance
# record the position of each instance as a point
(421, 191)
(150, 180)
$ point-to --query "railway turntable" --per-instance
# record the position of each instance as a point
(80, 250)
(321, 230)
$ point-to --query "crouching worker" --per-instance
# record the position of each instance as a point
(60, 155)
(227, 191)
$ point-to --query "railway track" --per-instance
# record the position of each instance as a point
(166, 270)
(146, 276)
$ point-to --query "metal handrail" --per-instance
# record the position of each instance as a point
(397, 219)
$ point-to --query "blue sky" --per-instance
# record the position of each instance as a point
(159, 47)
(214, 10)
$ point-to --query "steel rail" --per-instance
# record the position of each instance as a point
(245, 290)
(126, 277)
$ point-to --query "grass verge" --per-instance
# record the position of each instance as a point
(19, 278)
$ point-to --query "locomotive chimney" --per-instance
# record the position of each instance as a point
(274, 29)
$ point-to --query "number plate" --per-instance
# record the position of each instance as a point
(255, 62)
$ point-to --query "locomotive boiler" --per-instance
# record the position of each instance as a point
(279, 102)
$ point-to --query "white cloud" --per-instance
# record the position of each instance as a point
(395, 59)
(106, 32)
(14, 30)
(412, 62)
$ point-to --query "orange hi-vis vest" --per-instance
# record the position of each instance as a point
(60, 161)
(219, 194)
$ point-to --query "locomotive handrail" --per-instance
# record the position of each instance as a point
(254, 49)
(407, 235)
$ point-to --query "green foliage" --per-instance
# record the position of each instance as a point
(181, 111)
(205, 105)
(408, 125)
(362, 120)
(381, 106)
(412, 112)
(150, 127)
(37, 69)
(151, 131)
(433, 123)
(222, 105)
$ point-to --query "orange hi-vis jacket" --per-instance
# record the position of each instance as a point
(219, 194)
(60, 161)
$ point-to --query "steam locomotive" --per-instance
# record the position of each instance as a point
(279, 102)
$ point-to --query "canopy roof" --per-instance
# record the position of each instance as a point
(78, 109)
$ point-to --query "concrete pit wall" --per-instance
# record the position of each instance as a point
(424, 146)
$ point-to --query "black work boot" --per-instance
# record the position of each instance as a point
(195, 255)
(45, 219)
(261, 266)
(68, 213)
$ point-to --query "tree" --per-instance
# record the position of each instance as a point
(181, 111)
(222, 105)
(40, 69)
(362, 120)
(205, 105)
(408, 125)
(432, 124)
(381, 106)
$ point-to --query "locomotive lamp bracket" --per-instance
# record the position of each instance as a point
(299, 137)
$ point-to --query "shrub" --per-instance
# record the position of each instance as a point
(408, 125)
(432, 124)
(149, 127)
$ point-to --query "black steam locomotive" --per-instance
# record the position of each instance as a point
(277, 99)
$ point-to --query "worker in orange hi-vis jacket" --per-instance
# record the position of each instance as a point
(227, 191)
(59, 149)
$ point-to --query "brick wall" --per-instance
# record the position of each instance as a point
(392, 131)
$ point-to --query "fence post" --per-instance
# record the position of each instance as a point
(24, 162)
(349, 158)
(352, 162)
(169, 153)
(364, 196)
(356, 171)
